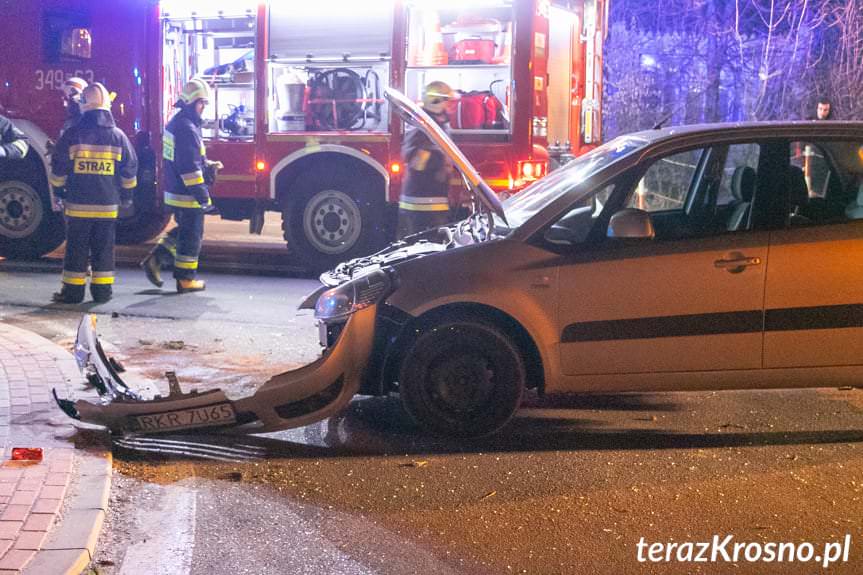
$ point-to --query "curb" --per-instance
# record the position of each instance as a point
(71, 543)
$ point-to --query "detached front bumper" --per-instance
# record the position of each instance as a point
(291, 399)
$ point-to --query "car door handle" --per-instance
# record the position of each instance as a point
(737, 264)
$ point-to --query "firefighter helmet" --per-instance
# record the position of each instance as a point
(435, 96)
(74, 87)
(195, 89)
(95, 97)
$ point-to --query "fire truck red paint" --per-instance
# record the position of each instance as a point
(297, 114)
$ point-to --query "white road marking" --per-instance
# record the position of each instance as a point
(170, 536)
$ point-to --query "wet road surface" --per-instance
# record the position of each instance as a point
(569, 487)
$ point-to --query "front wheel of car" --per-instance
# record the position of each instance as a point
(462, 378)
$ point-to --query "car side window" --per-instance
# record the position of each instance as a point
(665, 185)
(825, 183)
(735, 185)
(812, 159)
(701, 192)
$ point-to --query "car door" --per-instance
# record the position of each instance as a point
(814, 295)
(689, 300)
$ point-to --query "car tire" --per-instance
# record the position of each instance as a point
(462, 378)
(328, 218)
(29, 228)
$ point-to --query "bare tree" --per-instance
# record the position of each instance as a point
(732, 59)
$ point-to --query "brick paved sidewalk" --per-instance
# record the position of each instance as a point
(51, 511)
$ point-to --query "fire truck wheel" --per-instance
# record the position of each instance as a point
(462, 378)
(330, 218)
(29, 228)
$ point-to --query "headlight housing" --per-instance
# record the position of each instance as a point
(343, 300)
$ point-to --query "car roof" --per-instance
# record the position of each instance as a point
(764, 129)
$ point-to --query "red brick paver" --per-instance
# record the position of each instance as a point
(32, 493)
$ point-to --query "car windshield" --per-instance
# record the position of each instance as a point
(524, 205)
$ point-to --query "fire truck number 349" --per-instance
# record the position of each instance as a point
(53, 79)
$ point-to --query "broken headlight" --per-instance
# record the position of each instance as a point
(343, 300)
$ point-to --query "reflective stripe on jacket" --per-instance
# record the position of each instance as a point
(184, 158)
(428, 173)
(12, 140)
(93, 160)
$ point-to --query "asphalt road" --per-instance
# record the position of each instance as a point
(571, 486)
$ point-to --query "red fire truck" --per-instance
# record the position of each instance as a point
(297, 114)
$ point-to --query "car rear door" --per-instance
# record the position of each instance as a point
(689, 300)
(814, 295)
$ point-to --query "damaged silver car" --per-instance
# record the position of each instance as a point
(720, 256)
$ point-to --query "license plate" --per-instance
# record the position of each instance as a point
(206, 416)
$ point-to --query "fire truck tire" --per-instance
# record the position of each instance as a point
(29, 228)
(462, 378)
(328, 218)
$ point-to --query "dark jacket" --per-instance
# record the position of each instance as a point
(428, 169)
(184, 160)
(91, 163)
(13, 142)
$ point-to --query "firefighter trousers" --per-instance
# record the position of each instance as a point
(412, 222)
(181, 246)
(89, 241)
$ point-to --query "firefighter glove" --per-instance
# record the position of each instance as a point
(126, 199)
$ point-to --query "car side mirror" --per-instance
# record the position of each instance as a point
(631, 223)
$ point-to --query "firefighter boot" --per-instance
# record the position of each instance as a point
(190, 285)
(69, 294)
(101, 293)
(152, 266)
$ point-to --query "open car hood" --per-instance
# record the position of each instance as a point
(418, 118)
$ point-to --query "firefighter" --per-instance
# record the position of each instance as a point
(187, 173)
(72, 90)
(13, 142)
(93, 170)
(424, 201)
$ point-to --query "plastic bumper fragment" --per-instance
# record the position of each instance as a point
(291, 399)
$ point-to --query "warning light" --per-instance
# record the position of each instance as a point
(26, 454)
(260, 165)
(530, 171)
(395, 167)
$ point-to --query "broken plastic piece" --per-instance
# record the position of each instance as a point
(26, 454)
(291, 399)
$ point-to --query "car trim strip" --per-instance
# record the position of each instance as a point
(750, 321)
(820, 317)
(665, 326)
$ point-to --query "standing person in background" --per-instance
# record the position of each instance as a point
(424, 201)
(93, 169)
(824, 110)
(185, 161)
(72, 90)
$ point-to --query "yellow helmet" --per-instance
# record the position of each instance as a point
(95, 97)
(435, 96)
(74, 87)
(195, 89)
